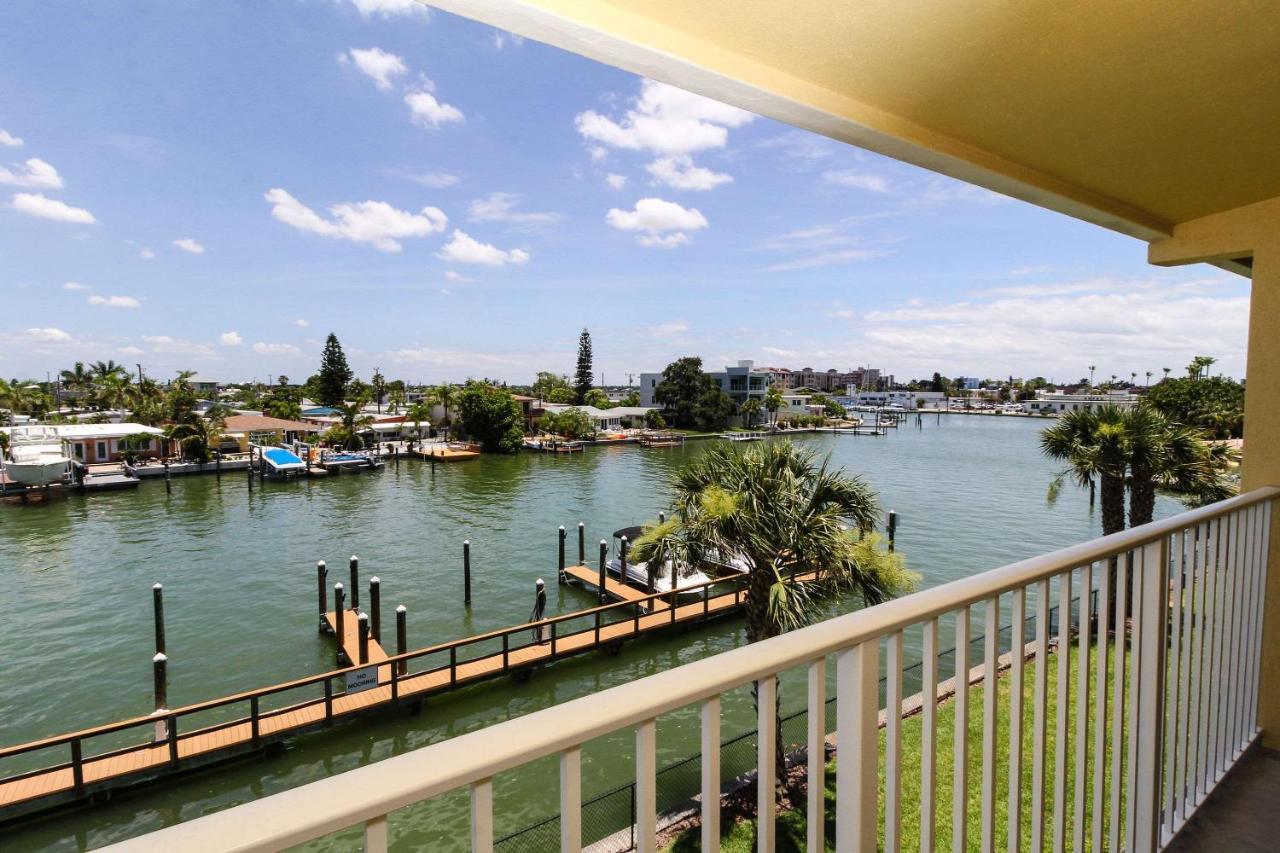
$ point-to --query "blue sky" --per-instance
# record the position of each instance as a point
(216, 186)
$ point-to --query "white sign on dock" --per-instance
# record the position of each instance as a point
(362, 679)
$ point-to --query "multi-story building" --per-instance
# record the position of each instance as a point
(741, 382)
(1057, 401)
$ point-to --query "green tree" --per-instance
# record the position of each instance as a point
(334, 375)
(78, 381)
(198, 437)
(547, 383)
(283, 407)
(491, 416)
(1214, 403)
(418, 414)
(379, 385)
(780, 511)
(445, 394)
(352, 424)
(1093, 444)
(691, 398)
(653, 419)
(599, 399)
(582, 377)
(772, 403)
(572, 423)
(750, 411)
(560, 395)
(631, 399)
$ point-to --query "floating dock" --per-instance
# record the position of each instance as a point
(456, 453)
(168, 742)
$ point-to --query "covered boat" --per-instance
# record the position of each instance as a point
(37, 456)
(689, 580)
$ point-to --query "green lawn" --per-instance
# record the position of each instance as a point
(791, 825)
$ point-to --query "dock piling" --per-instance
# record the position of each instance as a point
(662, 518)
(604, 556)
(168, 484)
(375, 608)
(402, 637)
(322, 592)
(362, 623)
(157, 601)
(893, 528)
(466, 572)
(355, 582)
(582, 544)
(560, 574)
(339, 616)
(160, 670)
(217, 464)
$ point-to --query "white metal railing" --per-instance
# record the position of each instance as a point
(1162, 723)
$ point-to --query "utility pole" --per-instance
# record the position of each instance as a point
(139, 373)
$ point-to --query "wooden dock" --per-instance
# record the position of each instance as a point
(436, 453)
(182, 739)
(614, 588)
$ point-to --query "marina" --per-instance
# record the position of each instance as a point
(237, 615)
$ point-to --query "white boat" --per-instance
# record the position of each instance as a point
(281, 461)
(689, 581)
(744, 436)
(37, 456)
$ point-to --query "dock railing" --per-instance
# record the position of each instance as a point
(172, 726)
(1154, 732)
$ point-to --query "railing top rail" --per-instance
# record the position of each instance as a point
(305, 681)
(328, 805)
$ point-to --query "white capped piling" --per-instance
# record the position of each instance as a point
(582, 544)
(893, 528)
(375, 608)
(662, 518)
(402, 637)
(466, 572)
(157, 607)
(560, 574)
(354, 564)
(539, 608)
(322, 593)
(339, 617)
(362, 624)
(604, 556)
(160, 672)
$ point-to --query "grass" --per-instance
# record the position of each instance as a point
(739, 837)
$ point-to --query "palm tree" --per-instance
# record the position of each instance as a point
(111, 391)
(78, 379)
(780, 511)
(750, 410)
(1092, 368)
(200, 436)
(103, 369)
(347, 432)
(419, 413)
(1167, 371)
(146, 402)
(773, 402)
(1148, 378)
(283, 407)
(1093, 444)
(444, 394)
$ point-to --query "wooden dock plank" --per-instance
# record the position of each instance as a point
(614, 588)
(274, 724)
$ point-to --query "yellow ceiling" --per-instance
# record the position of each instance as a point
(1136, 115)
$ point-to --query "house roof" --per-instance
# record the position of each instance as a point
(263, 423)
(80, 432)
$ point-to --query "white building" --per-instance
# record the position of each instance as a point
(796, 405)
(1058, 402)
(741, 382)
(607, 420)
(908, 400)
(94, 443)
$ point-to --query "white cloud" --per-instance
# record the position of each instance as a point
(598, 153)
(501, 207)
(34, 204)
(8, 140)
(615, 181)
(187, 244)
(114, 301)
(444, 291)
(301, 323)
(131, 351)
(666, 330)
(826, 259)
(230, 339)
(428, 112)
(457, 277)
(33, 173)
(654, 216)
(373, 222)
(47, 335)
(276, 349)
(464, 249)
(390, 8)
(146, 254)
(664, 120)
(779, 352)
(1142, 324)
(167, 345)
(500, 39)
(74, 285)
(856, 180)
(434, 180)
(678, 171)
(374, 62)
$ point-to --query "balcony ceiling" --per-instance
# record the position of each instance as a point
(1136, 116)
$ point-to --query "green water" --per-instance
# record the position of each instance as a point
(238, 570)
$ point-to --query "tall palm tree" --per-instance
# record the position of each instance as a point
(347, 432)
(103, 369)
(200, 436)
(78, 379)
(1148, 378)
(146, 402)
(445, 394)
(1167, 371)
(111, 390)
(419, 413)
(750, 412)
(1093, 444)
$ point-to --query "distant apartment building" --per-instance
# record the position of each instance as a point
(741, 382)
(909, 400)
(1059, 401)
(204, 386)
(830, 381)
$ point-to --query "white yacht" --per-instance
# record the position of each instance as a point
(37, 456)
(689, 580)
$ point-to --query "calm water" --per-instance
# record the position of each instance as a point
(239, 577)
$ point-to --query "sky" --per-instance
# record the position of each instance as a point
(217, 186)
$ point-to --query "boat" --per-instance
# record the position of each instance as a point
(37, 456)
(689, 580)
(552, 445)
(282, 462)
(350, 460)
(744, 436)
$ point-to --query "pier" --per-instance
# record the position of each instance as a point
(91, 763)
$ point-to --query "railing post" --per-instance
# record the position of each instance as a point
(453, 665)
(402, 637)
(77, 765)
(322, 593)
(253, 720)
(328, 701)
(1150, 666)
(858, 712)
(506, 652)
(375, 609)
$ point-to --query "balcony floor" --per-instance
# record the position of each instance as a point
(1240, 815)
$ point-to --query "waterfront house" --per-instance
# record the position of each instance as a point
(741, 382)
(798, 405)
(98, 443)
(909, 400)
(1057, 402)
(605, 420)
(244, 430)
(1156, 121)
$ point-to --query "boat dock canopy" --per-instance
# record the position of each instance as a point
(632, 533)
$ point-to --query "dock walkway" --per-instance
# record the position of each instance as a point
(185, 738)
(614, 588)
